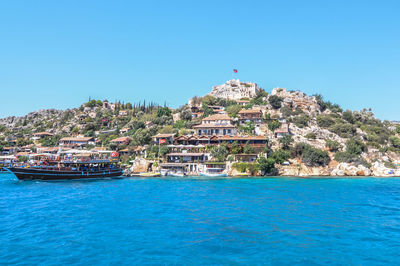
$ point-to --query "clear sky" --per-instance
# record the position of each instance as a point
(57, 54)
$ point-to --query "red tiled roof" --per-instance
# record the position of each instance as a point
(217, 117)
(164, 135)
(43, 134)
(214, 125)
(122, 139)
(250, 111)
(185, 154)
(77, 139)
(242, 138)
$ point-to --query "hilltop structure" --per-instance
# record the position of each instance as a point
(235, 90)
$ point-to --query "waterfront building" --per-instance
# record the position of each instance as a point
(41, 135)
(77, 141)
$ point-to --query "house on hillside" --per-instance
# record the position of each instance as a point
(122, 141)
(282, 130)
(124, 130)
(41, 135)
(251, 115)
(218, 124)
(71, 142)
(123, 113)
(242, 102)
(217, 109)
(163, 138)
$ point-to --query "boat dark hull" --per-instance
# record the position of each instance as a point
(41, 174)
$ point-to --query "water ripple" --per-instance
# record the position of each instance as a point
(196, 221)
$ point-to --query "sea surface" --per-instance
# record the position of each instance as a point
(193, 221)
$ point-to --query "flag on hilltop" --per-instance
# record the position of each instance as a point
(235, 70)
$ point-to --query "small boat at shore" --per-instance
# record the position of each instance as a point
(66, 170)
(148, 174)
(214, 174)
(176, 174)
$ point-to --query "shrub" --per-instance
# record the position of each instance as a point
(343, 130)
(332, 145)
(267, 166)
(325, 121)
(236, 148)
(220, 153)
(311, 135)
(163, 111)
(394, 141)
(390, 165)
(315, 157)
(233, 110)
(286, 141)
(301, 121)
(274, 124)
(248, 149)
(280, 156)
(355, 146)
(275, 101)
(310, 155)
(253, 168)
(186, 114)
(241, 167)
(344, 157)
(348, 116)
(397, 129)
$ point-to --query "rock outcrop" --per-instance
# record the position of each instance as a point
(235, 90)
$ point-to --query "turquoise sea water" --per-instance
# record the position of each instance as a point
(279, 221)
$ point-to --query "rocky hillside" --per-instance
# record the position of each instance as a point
(306, 134)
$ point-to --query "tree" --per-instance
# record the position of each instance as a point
(233, 110)
(248, 128)
(286, 141)
(310, 155)
(163, 111)
(348, 116)
(267, 166)
(275, 101)
(186, 114)
(274, 124)
(355, 146)
(315, 157)
(394, 141)
(164, 150)
(236, 148)
(280, 156)
(220, 152)
(248, 149)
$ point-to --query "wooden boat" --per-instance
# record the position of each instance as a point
(68, 170)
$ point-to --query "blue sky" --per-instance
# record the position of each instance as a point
(57, 54)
